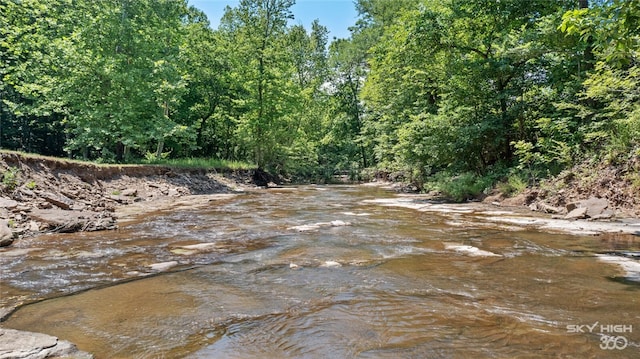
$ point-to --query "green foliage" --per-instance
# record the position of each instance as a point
(457, 89)
(151, 156)
(11, 178)
(513, 185)
(31, 185)
(448, 82)
(611, 27)
(460, 187)
(609, 107)
(617, 117)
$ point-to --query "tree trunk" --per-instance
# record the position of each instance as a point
(159, 149)
(203, 125)
(161, 141)
(119, 151)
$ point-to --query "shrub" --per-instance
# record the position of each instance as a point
(10, 178)
(462, 187)
(513, 185)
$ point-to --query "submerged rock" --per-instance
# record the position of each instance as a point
(16, 344)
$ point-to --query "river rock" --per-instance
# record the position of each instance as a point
(577, 213)
(572, 205)
(60, 200)
(606, 214)
(470, 250)
(311, 227)
(120, 199)
(6, 234)
(25, 192)
(15, 344)
(8, 203)
(593, 207)
(104, 222)
(131, 192)
(62, 221)
(194, 248)
(331, 264)
(546, 208)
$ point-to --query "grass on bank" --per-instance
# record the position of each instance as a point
(187, 163)
(200, 163)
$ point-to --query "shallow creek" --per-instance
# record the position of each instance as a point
(327, 272)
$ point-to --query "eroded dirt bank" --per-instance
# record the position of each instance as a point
(586, 191)
(42, 194)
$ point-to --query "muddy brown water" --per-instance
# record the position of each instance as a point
(326, 272)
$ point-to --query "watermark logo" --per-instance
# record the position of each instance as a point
(611, 342)
(609, 334)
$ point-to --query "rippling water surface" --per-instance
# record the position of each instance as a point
(327, 272)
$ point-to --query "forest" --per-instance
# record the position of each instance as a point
(484, 91)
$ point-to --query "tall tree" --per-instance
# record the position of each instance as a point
(258, 28)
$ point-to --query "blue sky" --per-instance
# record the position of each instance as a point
(336, 15)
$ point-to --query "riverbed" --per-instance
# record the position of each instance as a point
(329, 272)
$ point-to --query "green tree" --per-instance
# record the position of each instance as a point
(609, 103)
(30, 47)
(127, 79)
(448, 82)
(310, 60)
(258, 30)
(207, 104)
(345, 126)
